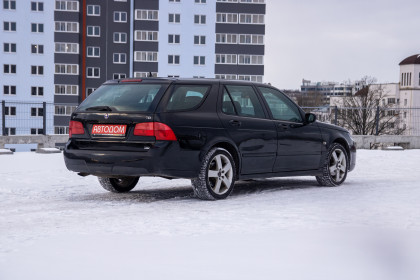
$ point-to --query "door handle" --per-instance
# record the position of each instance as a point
(283, 125)
(234, 123)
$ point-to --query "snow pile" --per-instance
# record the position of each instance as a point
(57, 225)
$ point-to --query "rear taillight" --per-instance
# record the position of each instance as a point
(159, 130)
(76, 128)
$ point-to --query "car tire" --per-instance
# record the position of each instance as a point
(335, 167)
(216, 177)
(118, 185)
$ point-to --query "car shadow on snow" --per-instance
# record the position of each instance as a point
(242, 188)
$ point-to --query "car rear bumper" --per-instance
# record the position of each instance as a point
(165, 158)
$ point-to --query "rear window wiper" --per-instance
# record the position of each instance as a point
(99, 108)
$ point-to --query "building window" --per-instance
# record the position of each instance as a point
(37, 6)
(93, 72)
(251, 39)
(93, 31)
(405, 102)
(89, 91)
(37, 49)
(93, 10)
(117, 76)
(63, 110)
(66, 26)
(61, 130)
(174, 1)
(9, 90)
(252, 78)
(251, 18)
(226, 18)
(37, 131)
(37, 70)
(10, 111)
(405, 115)
(67, 69)
(173, 59)
(120, 37)
(226, 76)
(37, 91)
(145, 74)
(200, 19)
(120, 58)
(143, 56)
(9, 68)
(250, 59)
(9, 47)
(249, 1)
(66, 89)
(226, 59)
(69, 6)
(226, 38)
(9, 4)
(67, 48)
(9, 26)
(37, 112)
(199, 60)
(200, 1)
(93, 51)
(120, 16)
(174, 38)
(147, 15)
(391, 100)
(174, 18)
(199, 40)
(37, 27)
(173, 76)
(141, 35)
(10, 131)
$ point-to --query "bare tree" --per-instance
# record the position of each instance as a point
(365, 113)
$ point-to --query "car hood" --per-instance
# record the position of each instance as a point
(331, 126)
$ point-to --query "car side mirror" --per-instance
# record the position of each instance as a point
(310, 118)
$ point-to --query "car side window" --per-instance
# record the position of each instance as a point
(185, 97)
(241, 101)
(280, 106)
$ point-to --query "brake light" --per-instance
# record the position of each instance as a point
(159, 130)
(76, 128)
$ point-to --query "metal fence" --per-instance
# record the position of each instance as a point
(380, 120)
(35, 118)
(22, 118)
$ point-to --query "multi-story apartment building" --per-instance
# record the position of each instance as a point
(331, 89)
(27, 66)
(64, 49)
(100, 40)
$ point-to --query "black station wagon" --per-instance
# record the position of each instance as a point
(211, 131)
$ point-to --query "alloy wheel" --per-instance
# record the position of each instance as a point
(220, 174)
(338, 165)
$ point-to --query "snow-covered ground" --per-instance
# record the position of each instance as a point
(57, 225)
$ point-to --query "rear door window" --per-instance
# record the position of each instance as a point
(123, 97)
(186, 97)
(241, 101)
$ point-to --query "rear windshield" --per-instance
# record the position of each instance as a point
(123, 97)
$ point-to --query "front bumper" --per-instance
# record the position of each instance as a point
(164, 159)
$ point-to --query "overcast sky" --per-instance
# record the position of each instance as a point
(338, 40)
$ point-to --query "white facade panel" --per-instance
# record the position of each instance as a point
(24, 59)
(187, 29)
